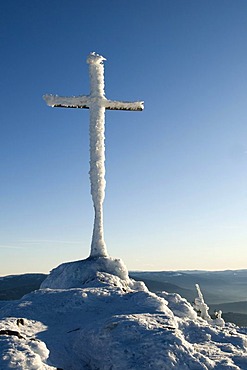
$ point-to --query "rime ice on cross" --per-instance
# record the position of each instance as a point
(97, 103)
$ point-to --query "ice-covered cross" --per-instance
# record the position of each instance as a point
(97, 103)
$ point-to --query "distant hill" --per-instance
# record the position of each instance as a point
(16, 286)
(159, 286)
(217, 286)
(240, 307)
(232, 312)
(237, 318)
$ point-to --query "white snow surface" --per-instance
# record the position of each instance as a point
(78, 273)
(104, 321)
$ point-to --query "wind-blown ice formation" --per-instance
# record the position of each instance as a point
(202, 310)
(97, 103)
(200, 306)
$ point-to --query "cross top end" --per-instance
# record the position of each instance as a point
(95, 58)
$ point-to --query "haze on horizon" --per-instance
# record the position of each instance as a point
(175, 174)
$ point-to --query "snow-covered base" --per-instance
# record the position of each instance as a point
(78, 273)
(117, 324)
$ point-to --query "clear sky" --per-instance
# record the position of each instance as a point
(176, 195)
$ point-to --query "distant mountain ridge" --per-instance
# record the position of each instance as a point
(217, 286)
(16, 286)
(240, 307)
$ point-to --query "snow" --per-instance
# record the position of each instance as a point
(26, 352)
(83, 318)
(123, 105)
(97, 151)
(75, 274)
(66, 101)
(200, 306)
(202, 309)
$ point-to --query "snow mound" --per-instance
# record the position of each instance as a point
(108, 322)
(76, 274)
(22, 351)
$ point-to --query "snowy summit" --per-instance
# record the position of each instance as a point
(90, 315)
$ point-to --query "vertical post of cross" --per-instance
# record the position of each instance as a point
(97, 151)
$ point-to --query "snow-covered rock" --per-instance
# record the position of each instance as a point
(22, 350)
(76, 274)
(108, 321)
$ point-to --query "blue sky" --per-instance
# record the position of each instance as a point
(176, 193)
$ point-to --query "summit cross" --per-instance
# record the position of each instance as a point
(97, 103)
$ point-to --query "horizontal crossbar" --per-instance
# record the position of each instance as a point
(84, 102)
